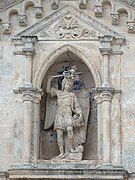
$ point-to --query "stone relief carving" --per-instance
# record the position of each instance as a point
(22, 19)
(38, 11)
(114, 18)
(68, 28)
(6, 28)
(91, 23)
(131, 26)
(69, 115)
(98, 10)
(82, 4)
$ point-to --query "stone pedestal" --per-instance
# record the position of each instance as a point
(80, 170)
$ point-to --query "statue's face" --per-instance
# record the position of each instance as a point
(68, 86)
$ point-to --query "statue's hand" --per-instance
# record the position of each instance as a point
(78, 120)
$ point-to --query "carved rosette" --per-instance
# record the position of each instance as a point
(131, 26)
(22, 19)
(114, 18)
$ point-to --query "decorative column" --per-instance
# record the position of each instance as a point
(31, 97)
(36, 126)
(116, 129)
(104, 97)
(105, 50)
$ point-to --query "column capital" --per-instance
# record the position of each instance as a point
(30, 94)
(106, 41)
(106, 38)
(104, 94)
(105, 51)
(29, 42)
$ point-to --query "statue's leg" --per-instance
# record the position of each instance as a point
(70, 138)
(60, 142)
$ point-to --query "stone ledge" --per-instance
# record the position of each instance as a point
(66, 171)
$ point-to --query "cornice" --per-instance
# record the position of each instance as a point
(68, 9)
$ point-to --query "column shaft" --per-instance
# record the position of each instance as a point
(106, 70)
(106, 132)
(28, 78)
(27, 130)
(35, 132)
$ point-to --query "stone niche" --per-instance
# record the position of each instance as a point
(48, 137)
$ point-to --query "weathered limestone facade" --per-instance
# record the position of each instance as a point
(38, 37)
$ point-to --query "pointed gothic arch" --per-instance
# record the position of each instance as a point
(57, 52)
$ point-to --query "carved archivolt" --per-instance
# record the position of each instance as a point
(56, 53)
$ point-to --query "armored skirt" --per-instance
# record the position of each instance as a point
(62, 122)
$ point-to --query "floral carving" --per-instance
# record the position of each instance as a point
(68, 28)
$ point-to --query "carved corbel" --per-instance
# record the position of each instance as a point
(29, 42)
(6, 28)
(98, 10)
(54, 4)
(114, 18)
(106, 41)
(38, 11)
(131, 26)
(82, 4)
(22, 19)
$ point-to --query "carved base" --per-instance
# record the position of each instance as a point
(68, 170)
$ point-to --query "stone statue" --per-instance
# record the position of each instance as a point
(69, 121)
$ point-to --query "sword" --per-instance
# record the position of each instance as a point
(62, 75)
